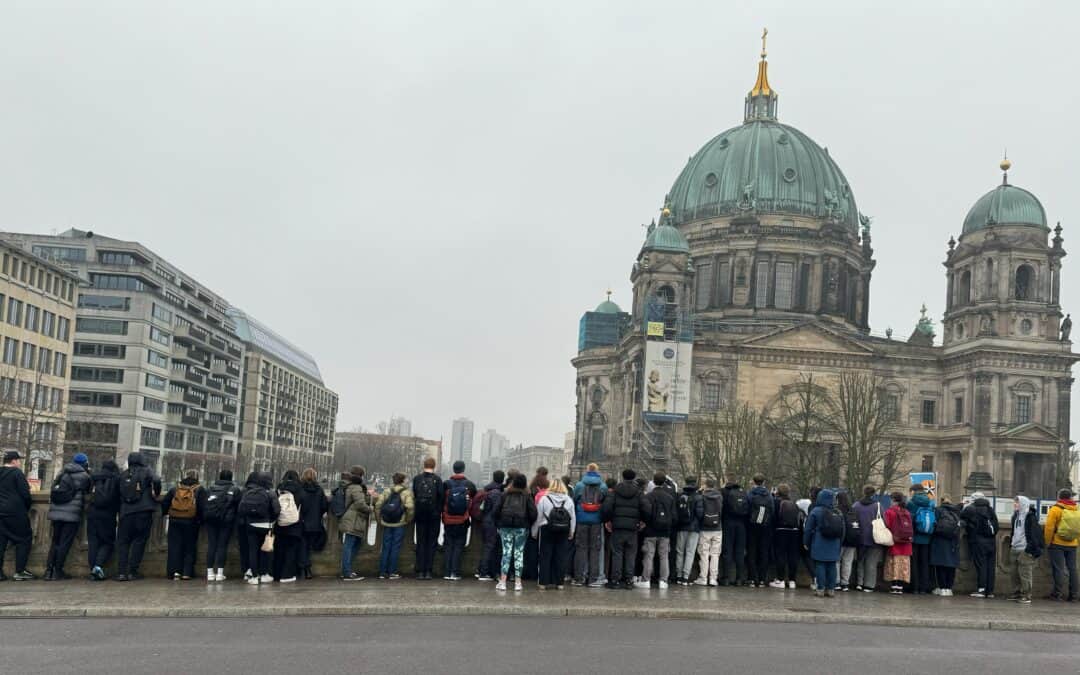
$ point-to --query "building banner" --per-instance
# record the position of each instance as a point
(928, 479)
(667, 380)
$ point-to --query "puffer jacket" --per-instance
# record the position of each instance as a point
(357, 511)
(1053, 516)
(591, 478)
(72, 511)
(622, 506)
(151, 486)
(406, 500)
(660, 499)
(313, 506)
(516, 509)
(917, 501)
(822, 549)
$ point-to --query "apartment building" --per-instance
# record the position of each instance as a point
(155, 365)
(288, 414)
(37, 312)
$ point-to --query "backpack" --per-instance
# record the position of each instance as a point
(558, 518)
(852, 529)
(661, 517)
(735, 502)
(514, 509)
(218, 502)
(477, 505)
(393, 509)
(427, 490)
(456, 511)
(947, 524)
(713, 508)
(760, 509)
(131, 486)
(337, 501)
(590, 499)
(1068, 527)
(832, 524)
(684, 509)
(790, 515)
(183, 506)
(902, 529)
(106, 494)
(290, 513)
(925, 518)
(255, 505)
(985, 526)
(63, 490)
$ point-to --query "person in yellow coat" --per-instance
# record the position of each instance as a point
(395, 508)
(1062, 534)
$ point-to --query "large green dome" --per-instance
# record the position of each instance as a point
(765, 167)
(1006, 205)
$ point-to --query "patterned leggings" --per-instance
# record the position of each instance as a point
(513, 545)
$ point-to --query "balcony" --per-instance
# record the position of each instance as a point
(228, 428)
(190, 420)
(232, 369)
(192, 376)
(229, 408)
(232, 391)
(234, 352)
(175, 418)
(210, 424)
(192, 333)
(194, 399)
(213, 384)
(217, 343)
(218, 367)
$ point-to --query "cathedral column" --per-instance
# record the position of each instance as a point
(1064, 409)
(1055, 291)
(980, 477)
(864, 315)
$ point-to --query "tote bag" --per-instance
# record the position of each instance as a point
(268, 543)
(882, 535)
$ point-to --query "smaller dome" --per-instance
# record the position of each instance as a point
(607, 307)
(665, 237)
(1005, 205)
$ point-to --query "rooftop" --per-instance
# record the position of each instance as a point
(264, 339)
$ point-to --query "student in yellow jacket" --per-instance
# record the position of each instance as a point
(1062, 533)
(395, 508)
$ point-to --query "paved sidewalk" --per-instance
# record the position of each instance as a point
(330, 597)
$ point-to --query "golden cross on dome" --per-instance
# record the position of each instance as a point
(764, 36)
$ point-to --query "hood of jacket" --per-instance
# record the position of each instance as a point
(493, 487)
(866, 501)
(919, 499)
(1025, 505)
(804, 505)
(826, 498)
(72, 467)
(1067, 504)
(627, 489)
(732, 486)
(189, 481)
(592, 478)
(759, 490)
(690, 490)
(311, 487)
(224, 483)
(136, 459)
(981, 502)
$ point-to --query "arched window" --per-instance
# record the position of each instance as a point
(964, 291)
(1025, 277)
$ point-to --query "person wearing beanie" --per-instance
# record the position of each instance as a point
(1062, 534)
(458, 493)
(981, 523)
(67, 501)
(101, 518)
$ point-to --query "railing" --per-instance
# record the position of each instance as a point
(231, 390)
(213, 384)
(233, 351)
(191, 420)
(210, 424)
(228, 428)
(192, 376)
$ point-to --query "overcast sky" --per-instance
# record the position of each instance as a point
(427, 196)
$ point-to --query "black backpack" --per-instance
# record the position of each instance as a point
(684, 507)
(514, 510)
(131, 486)
(661, 516)
(760, 509)
(427, 491)
(713, 507)
(63, 490)
(106, 494)
(832, 524)
(790, 515)
(337, 501)
(255, 505)
(558, 519)
(393, 510)
(985, 526)
(736, 503)
(852, 529)
(218, 501)
(947, 525)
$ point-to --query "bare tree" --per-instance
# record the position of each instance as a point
(28, 422)
(800, 423)
(865, 425)
(701, 454)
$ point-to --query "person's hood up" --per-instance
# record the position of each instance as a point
(189, 481)
(627, 489)
(136, 459)
(224, 483)
(290, 486)
(1025, 504)
(981, 501)
(592, 478)
(804, 505)
(920, 499)
(826, 498)
(72, 467)
(493, 487)
(265, 480)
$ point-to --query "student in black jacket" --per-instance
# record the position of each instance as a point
(137, 508)
(219, 517)
(101, 518)
(15, 504)
(622, 519)
(313, 506)
(184, 504)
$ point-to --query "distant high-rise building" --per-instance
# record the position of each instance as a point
(492, 444)
(399, 426)
(461, 440)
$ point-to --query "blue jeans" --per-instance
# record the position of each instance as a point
(825, 575)
(349, 548)
(391, 548)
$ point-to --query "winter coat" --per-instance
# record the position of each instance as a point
(660, 498)
(697, 510)
(822, 549)
(515, 510)
(493, 493)
(263, 482)
(200, 501)
(1033, 534)
(550, 501)
(151, 484)
(970, 516)
(72, 511)
(866, 510)
(762, 490)
(945, 552)
(313, 506)
(15, 499)
(622, 506)
(890, 522)
(589, 517)
(357, 511)
(406, 501)
(1053, 516)
(229, 517)
(105, 501)
(732, 516)
(917, 501)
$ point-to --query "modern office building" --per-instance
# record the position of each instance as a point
(37, 313)
(287, 414)
(156, 360)
(461, 440)
(492, 444)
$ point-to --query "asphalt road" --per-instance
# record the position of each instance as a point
(515, 646)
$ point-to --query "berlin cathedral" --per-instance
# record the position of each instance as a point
(758, 273)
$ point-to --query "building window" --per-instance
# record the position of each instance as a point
(153, 405)
(162, 314)
(958, 409)
(157, 359)
(156, 381)
(105, 326)
(11, 351)
(85, 374)
(63, 329)
(107, 302)
(117, 282)
(159, 336)
(1023, 409)
(785, 285)
(194, 441)
(48, 324)
(100, 350)
(114, 258)
(710, 396)
(32, 314)
(929, 411)
(964, 289)
(761, 284)
(723, 286)
(1024, 278)
(95, 398)
(59, 364)
(927, 463)
(704, 285)
(151, 437)
(174, 440)
(29, 351)
(14, 312)
(61, 253)
(96, 432)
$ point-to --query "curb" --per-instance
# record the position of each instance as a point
(119, 612)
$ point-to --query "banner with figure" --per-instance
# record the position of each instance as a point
(928, 479)
(666, 391)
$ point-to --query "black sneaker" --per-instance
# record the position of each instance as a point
(611, 585)
(23, 575)
(135, 576)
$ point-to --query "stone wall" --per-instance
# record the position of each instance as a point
(327, 562)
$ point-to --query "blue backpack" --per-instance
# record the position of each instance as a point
(925, 519)
(456, 511)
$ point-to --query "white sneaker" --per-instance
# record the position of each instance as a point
(701, 581)
(210, 576)
(813, 585)
(219, 577)
(254, 581)
(791, 584)
(247, 575)
(777, 584)
(642, 584)
(266, 579)
(517, 585)
(663, 585)
(501, 586)
(947, 592)
(288, 580)
(936, 591)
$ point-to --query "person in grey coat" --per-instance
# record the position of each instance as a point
(65, 514)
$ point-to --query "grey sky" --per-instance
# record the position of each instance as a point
(426, 196)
